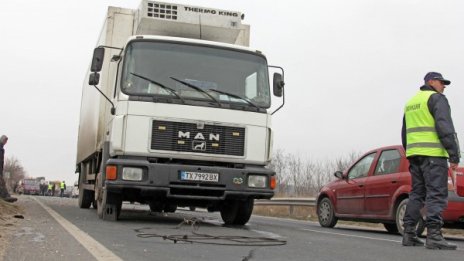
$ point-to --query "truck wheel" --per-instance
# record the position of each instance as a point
(229, 211)
(85, 197)
(109, 207)
(236, 212)
(400, 212)
(326, 213)
(170, 208)
(244, 211)
(155, 206)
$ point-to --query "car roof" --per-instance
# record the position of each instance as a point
(391, 147)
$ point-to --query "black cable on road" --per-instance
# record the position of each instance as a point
(199, 238)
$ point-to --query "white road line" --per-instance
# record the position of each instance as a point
(94, 247)
(348, 235)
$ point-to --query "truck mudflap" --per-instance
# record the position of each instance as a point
(190, 182)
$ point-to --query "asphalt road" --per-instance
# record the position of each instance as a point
(139, 236)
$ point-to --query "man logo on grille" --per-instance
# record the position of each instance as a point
(199, 145)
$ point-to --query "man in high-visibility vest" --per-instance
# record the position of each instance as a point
(62, 188)
(430, 141)
(50, 187)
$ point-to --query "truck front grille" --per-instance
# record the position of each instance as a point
(191, 137)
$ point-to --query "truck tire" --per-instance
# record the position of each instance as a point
(86, 197)
(399, 215)
(109, 207)
(229, 211)
(326, 213)
(169, 208)
(236, 212)
(244, 211)
(155, 206)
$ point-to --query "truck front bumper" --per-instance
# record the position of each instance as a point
(164, 180)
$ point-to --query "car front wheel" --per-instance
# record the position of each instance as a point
(326, 213)
(400, 212)
(391, 228)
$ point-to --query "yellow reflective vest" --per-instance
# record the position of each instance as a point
(421, 135)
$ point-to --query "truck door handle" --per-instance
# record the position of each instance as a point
(394, 181)
(361, 185)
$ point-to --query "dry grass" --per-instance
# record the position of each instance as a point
(301, 213)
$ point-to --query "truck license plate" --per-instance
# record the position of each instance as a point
(199, 176)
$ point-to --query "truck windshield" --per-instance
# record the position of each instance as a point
(195, 73)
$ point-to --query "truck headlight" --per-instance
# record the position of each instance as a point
(257, 181)
(134, 174)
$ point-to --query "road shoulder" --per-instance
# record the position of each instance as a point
(40, 237)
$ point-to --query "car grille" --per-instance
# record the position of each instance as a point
(187, 137)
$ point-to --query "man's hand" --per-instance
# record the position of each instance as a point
(453, 166)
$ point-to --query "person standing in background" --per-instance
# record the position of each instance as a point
(62, 188)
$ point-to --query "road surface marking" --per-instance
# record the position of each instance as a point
(348, 235)
(94, 247)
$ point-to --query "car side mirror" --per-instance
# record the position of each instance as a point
(278, 84)
(94, 78)
(97, 59)
(339, 174)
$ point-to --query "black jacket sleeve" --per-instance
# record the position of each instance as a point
(403, 134)
(441, 112)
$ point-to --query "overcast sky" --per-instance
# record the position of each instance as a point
(350, 66)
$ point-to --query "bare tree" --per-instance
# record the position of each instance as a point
(278, 165)
(16, 171)
(298, 177)
(344, 162)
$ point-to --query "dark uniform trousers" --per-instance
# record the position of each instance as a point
(430, 185)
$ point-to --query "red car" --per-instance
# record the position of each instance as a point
(375, 189)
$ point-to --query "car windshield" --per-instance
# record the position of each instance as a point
(194, 72)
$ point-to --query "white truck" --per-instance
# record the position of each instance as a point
(179, 115)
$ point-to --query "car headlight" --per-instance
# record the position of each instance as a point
(134, 174)
(257, 181)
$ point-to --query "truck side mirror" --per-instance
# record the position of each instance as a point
(278, 84)
(97, 59)
(94, 78)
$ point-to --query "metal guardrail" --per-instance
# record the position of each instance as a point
(286, 202)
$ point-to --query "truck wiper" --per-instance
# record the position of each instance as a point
(236, 96)
(160, 85)
(197, 88)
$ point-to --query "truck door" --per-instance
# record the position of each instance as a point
(381, 186)
(350, 194)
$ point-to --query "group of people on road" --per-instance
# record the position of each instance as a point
(5, 195)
